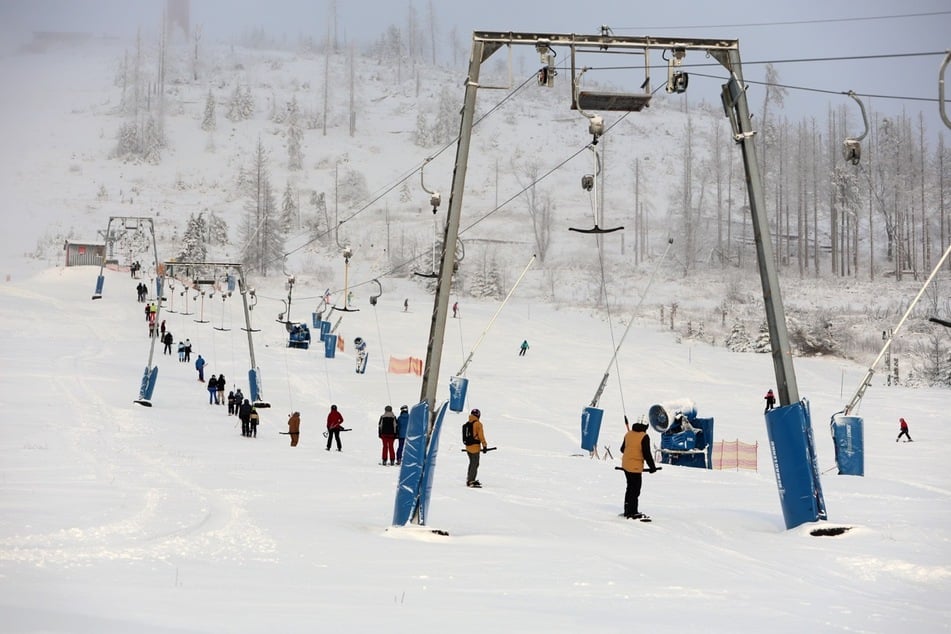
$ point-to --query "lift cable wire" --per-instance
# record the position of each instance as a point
(788, 23)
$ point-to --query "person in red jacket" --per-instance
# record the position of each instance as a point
(635, 450)
(904, 430)
(770, 400)
(334, 423)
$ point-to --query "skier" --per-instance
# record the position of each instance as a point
(188, 350)
(231, 403)
(221, 385)
(293, 428)
(473, 437)
(402, 422)
(361, 347)
(167, 339)
(334, 423)
(904, 430)
(181, 352)
(387, 428)
(522, 349)
(244, 413)
(199, 365)
(635, 450)
(770, 400)
(212, 390)
(253, 420)
(455, 309)
(238, 400)
(406, 305)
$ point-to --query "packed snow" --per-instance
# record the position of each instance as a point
(120, 518)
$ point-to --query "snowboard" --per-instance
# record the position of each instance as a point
(640, 518)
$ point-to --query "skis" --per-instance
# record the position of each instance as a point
(327, 433)
(483, 450)
(639, 517)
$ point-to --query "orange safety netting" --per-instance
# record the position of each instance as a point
(409, 365)
(735, 455)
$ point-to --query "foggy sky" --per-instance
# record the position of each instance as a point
(364, 20)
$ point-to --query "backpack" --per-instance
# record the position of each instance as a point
(468, 433)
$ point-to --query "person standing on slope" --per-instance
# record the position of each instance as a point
(770, 399)
(293, 428)
(334, 423)
(904, 430)
(473, 437)
(402, 423)
(387, 428)
(635, 451)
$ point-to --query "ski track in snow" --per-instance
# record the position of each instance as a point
(206, 523)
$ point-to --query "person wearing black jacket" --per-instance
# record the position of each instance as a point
(387, 428)
(244, 413)
(635, 450)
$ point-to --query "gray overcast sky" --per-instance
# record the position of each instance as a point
(766, 30)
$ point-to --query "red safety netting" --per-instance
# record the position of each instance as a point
(735, 455)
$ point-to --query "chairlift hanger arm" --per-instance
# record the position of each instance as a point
(944, 65)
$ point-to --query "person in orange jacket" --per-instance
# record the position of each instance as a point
(473, 437)
(635, 451)
(293, 428)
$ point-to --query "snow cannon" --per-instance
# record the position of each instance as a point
(686, 440)
(660, 416)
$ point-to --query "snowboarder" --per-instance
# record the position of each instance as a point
(402, 422)
(212, 390)
(293, 428)
(473, 437)
(522, 349)
(387, 428)
(904, 430)
(244, 413)
(635, 451)
(253, 420)
(199, 365)
(334, 423)
(770, 400)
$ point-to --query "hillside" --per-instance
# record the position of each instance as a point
(375, 204)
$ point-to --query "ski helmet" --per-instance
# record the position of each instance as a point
(475, 412)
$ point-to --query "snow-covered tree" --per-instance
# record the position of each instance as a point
(289, 210)
(739, 339)
(295, 156)
(241, 104)
(208, 123)
(217, 229)
(194, 242)
(261, 236)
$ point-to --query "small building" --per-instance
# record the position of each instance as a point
(84, 253)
